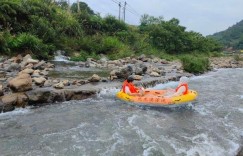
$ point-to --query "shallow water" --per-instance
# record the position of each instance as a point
(212, 125)
(70, 70)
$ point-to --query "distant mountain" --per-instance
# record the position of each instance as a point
(232, 37)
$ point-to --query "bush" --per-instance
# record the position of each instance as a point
(25, 43)
(195, 64)
(109, 45)
(4, 37)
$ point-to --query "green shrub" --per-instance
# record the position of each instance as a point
(109, 45)
(216, 54)
(4, 47)
(195, 64)
(237, 57)
(124, 52)
(27, 43)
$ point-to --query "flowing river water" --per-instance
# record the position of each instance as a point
(210, 126)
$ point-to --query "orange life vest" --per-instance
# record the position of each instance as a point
(185, 85)
(131, 87)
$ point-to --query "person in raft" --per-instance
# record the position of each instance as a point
(129, 88)
(181, 89)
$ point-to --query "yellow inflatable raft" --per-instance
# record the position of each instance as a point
(155, 97)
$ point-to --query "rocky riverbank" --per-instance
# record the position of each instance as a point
(25, 81)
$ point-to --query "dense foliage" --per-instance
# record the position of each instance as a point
(42, 26)
(232, 37)
(195, 64)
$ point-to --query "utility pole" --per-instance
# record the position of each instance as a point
(119, 11)
(124, 10)
(78, 5)
(69, 7)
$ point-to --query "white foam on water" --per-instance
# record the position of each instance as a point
(119, 140)
(202, 110)
(59, 57)
(65, 132)
(149, 143)
(205, 145)
(171, 84)
(16, 112)
(199, 77)
(241, 96)
(147, 152)
(108, 92)
(240, 109)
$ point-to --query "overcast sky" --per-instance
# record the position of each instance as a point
(203, 16)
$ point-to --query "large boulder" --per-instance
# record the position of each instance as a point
(21, 83)
(15, 100)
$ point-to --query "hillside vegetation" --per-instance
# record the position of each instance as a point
(232, 37)
(41, 27)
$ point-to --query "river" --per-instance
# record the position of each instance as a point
(212, 125)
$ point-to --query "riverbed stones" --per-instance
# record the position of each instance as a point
(48, 93)
(22, 82)
(13, 67)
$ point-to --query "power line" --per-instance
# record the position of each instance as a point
(126, 7)
(129, 6)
